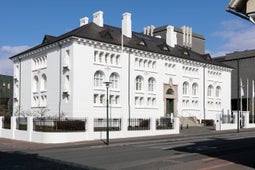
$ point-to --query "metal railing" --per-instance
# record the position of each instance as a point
(164, 123)
(21, 123)
(138, 124)
(101, 124)
(228, 119)
(59, 125)
(6, 122)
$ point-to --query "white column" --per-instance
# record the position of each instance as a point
(89, 127)
(124, 126)
(30, 127)
(13, 126)
(246, 119)
(152, 124)
(177, 125)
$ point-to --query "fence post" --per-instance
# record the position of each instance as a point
(1, 125)
(177, 125)
(124, 126)
(246, 119)
(13, 126)
(89, 127)
(30, 127)
(152, 124)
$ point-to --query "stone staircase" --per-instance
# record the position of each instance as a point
(190, 121)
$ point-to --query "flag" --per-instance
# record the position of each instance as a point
(241, 87)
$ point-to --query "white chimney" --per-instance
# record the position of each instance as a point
(84, 21)
(187, 36)
(127, 25)
(145, 30)
(171, 36)
(152, 28)
(98, 18)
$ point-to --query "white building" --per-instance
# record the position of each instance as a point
(152, 76)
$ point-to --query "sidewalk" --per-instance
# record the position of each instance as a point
(185, 132)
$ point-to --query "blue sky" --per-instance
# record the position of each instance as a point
(24, 23)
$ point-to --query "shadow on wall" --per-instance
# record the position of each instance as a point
(23, 161)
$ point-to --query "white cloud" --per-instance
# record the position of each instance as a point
(5, 53)
(237, 36)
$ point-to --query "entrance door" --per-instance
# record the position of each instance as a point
(169, 106)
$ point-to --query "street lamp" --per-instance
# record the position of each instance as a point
(107, 85)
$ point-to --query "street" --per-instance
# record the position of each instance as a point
(200, 150)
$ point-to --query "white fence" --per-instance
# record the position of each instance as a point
(228, 122)
(89, 134)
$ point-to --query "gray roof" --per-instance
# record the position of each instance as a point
(112, 35)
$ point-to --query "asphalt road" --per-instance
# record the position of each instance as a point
(205, 151)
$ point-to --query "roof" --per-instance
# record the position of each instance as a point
(112, 35)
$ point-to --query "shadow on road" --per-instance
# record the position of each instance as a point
(239, 151)
(24, 161)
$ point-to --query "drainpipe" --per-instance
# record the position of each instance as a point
(19, 85)
(129, 87)
(60, 79)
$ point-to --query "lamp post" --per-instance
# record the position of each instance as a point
(107, 85)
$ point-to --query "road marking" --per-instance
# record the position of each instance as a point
(208, 159)
(217, 166)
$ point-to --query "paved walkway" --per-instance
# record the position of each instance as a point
(185, 132)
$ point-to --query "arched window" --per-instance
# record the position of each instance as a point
(114, 79)
(151, 84)
(35, 84)
(170, 91)
(139, 83)
(194, 89)
(210, 91)
(185, 90)
(98, 79)
(43, 82)
(218, 91)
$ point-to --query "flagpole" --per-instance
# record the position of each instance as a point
(238, 94)
(241, 102)
(252, 102)
(247, 105)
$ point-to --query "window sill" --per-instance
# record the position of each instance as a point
(152, 93)
(139, 92)
(114, 90)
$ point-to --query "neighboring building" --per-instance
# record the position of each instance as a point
(151, 75)
(246, 61)
(6, 97)
(243, 8)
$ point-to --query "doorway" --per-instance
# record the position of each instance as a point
(169, 106)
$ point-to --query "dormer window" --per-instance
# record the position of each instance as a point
(142, 43)
(164, 47)
(106, 34)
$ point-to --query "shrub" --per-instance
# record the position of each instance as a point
(70, 125)
(208, 122)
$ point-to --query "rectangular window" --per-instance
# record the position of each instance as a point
(95, 98)
(102, 100)
(117, 100)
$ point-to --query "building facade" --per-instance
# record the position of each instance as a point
(242, 62)
(6, 95)
(151, 75)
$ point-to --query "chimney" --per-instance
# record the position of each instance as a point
(152, 28)
(98, 18)
(187, 36)
(127, 25)
(171, 36)
(84, 21)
